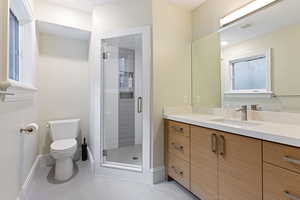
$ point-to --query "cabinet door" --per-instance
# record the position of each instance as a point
(240, 168)
(204, 163)
(179, 170)
(281, 155)
(280, 183)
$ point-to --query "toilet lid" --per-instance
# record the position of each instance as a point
(63, 144)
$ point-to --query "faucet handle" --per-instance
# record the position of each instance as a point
(254, 107)
(243, 107)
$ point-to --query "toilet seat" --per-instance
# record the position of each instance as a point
(64, 145)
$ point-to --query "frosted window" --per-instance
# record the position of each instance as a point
(13, 47)
(249, 74)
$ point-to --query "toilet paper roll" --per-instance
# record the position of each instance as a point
(32, 126)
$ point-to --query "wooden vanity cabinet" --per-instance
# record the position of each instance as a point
(281, 172)
(216, 165)
(225, 166)
(204, 163)
(177, 153)
(280, 184)
(240, 168)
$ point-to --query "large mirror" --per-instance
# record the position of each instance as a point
(253, 61)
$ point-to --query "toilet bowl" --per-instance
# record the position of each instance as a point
(64, 146)
(63, 151)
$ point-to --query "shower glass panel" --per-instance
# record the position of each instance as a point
(122, 101)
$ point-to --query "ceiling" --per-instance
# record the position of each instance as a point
(87, 5)
(83, 5)
(191, 4)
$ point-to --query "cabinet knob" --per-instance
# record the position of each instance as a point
(222, 145)
(177, 147)
(214, 143)
(177, 129)
(291, 160)
(177, 171)
(289, 196)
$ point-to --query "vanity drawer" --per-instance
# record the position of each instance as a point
(179, 146)
(281, 155)
(178, 129)
(280, 184)
(179, 170)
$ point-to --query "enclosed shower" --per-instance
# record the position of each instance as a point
(122, 62)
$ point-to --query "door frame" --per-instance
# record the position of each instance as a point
(146, 77)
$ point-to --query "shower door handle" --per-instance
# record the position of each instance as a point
(140, 105)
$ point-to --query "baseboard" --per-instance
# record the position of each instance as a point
(158, 174)
(27, 187)
(46, 160)
(152, 176)
(91, 160)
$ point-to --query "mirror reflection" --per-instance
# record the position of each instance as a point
(253, 61)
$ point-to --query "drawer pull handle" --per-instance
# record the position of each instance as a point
(289, 196)
(291, 160)
(214, 143)
(177, 171)
(177, 147)
(222, 145)
(177, 129)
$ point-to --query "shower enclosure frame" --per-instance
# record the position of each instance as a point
(146, 95)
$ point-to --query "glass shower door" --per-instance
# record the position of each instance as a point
(122, 101)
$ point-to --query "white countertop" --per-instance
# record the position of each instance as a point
(275, 132)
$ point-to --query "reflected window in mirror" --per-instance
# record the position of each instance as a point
(250, 73)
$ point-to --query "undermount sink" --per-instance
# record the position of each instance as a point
(235, 122)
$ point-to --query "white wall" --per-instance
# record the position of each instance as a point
(56, 14)
(171, 67)
(62, 82)
(17, 152)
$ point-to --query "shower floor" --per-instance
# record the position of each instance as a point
(131, 155)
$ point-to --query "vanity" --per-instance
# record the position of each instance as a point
(215, 160)
(252, 61)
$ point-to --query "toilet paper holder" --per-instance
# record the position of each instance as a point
(26, 130)
(29, 129)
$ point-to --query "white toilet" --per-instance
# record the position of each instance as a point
(64, 146)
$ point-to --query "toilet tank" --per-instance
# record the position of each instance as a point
(64, 129)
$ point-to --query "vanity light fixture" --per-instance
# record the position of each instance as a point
(246, 10)
(224, 43)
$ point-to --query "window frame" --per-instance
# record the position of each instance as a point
(23, 11)
(250, 56)
(17, 49)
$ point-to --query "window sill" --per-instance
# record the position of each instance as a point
(10, 84)
(249, 94)
(17, 91)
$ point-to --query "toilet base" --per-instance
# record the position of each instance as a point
(63, 169)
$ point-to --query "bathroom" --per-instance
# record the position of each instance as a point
(149, 99)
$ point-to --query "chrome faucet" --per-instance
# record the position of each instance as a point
(243, 110)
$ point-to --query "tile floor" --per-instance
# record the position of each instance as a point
(125, 155)
(85, 186)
